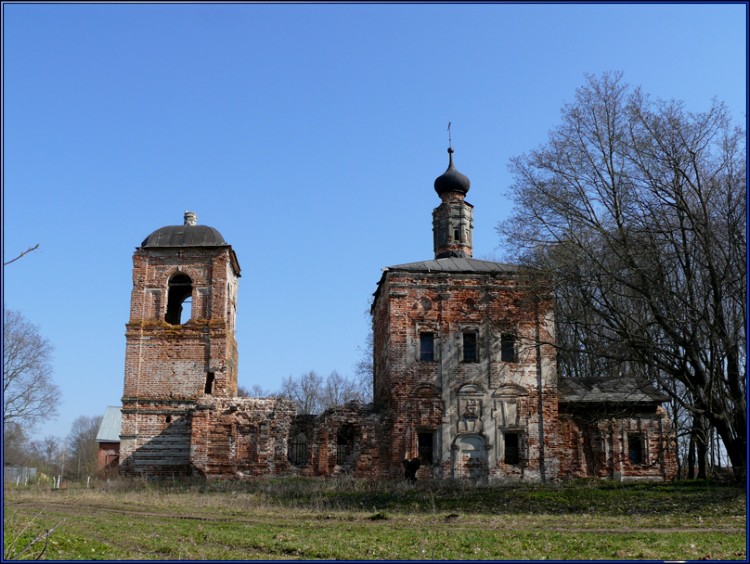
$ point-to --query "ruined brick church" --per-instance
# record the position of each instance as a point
(464, 376)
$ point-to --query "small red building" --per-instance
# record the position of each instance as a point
(108, 441)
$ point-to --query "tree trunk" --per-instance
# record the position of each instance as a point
(702, 451)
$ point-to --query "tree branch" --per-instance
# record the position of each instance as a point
(26, 252)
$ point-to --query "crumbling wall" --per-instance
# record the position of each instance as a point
(241, 437)
(626, 447)
(344, 440)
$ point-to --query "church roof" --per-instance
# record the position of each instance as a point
(184, 236)
(188, 235)
(455, 264)
(607, 390)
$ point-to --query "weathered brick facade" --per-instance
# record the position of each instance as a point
(462, 404)
(171, 360)
(464, 376)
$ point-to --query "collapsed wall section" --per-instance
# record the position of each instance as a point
(345, 440)
(241, 437)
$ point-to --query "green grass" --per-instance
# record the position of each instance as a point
(350, 519)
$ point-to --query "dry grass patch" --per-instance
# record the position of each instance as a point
(289, 519)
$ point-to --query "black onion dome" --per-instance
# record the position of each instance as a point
(452, 180)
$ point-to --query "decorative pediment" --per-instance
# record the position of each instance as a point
(424, 391)
(470, 390)
(470, 442)
(510, 390)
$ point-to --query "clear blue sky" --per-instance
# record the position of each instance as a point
(308, 135)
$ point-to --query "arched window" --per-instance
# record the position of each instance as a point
(179, 301)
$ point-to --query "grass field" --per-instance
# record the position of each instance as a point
(348, 519)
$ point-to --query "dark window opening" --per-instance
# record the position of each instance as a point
(168, 419)
(425, 447)
(427, 347)
(456, 235)
(635, 448)
(512, 448)
(298, 450)
(508, 348)
(209, 389)
(345, 445)
(470, 347)
(180, 292)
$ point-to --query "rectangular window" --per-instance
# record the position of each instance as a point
(345, 444)
(635, 448)
(425, 447)
(508, 348)
(512, 448)
(298, 450)
(427, 347)
(470, 347)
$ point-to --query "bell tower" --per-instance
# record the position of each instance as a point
(180, 342)
(452, 220)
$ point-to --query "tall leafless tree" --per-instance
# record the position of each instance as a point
(635, 209)
(304, 391)
(29, 393)
(312, 394)
(364, 369)
(82, 446)
(338, 390)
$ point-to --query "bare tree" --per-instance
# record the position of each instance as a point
(82, 446)
(48, 453)
(312, 394)
(338, 390)
(305, 392)
(636, 211)
(254, 391)
(29, 394)
(364, 369)
(15, 445)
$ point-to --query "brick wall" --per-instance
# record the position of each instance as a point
(596, 443)
(169, 367)
(108, 458)
(241, 437)
(462, 403)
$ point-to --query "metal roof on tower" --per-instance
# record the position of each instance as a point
(187, 235)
